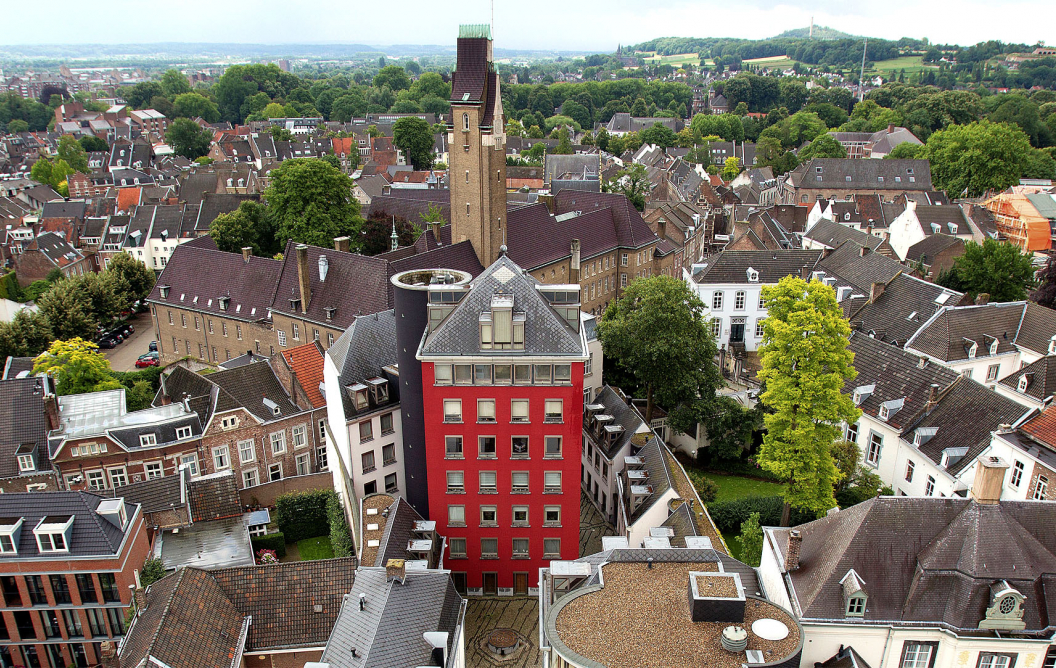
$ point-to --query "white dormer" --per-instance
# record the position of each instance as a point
(952, 227)
(971, 348)
(1024, 382)
(922, 435)
(889, 408)
(993, 347)
(861, 393)
(272, 406)
(854, 596)
(53, 533)
(10, 534)
(753, 277)
(1052, 346)
(936, 228)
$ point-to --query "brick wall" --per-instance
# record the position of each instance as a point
(1050, 477)
(266, 494)
(193, 337)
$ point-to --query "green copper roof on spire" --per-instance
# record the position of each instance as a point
(474, 31)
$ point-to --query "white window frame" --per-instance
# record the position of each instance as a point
(252, 473)
(1018, 468)
(95, 476)
(454, 512)
(149, 470)
(183, 432)
(121, 472)
(250, 446)
(303, 461)
(300, 433)
(221, 457)
(192, 461)
(148, 440)
(875, 439)
(277, 438)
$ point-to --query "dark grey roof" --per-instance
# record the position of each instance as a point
(926, 249)
(848, 262)
(833, 234)
(249, 385)
(852, 174)
(154, 495)
(164, 432)
(732, 266)
(16, 365)
(22, 422)
(950, 334)
(1037, 328)
(363, 350)
(659, 475)
(927, 559)
(388, 632)
(902, 309)
(590, 328)
(545, 333)
(943, 216)
(1041, 379)
(682, 523)
(64, 209)
(894, 374)
(92, 535)
(399, 529)
(625, 416)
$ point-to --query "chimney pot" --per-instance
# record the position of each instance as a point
(396, 569)
(573, 275)
(435, 226)
(247, 252)
(982, 299)
(863, 252)
(342, 244)
(890, 127)
(989, 478)
(795, 541)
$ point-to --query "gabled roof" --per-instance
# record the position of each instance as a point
(23, 422)
(655, 462)
(902, 309)
(185, 605)
(833, 234)
(92, 536)
(155, 495)
(928, 248)
(940, 558)
(214, 497)
(852, 174)
(545, 333)
(949, 335)
(861, 269)
(362, 352)
(772, 265)
(244, 386)
(388, 631)
(631, 230)
(1037, 328)
(1041, 379)
(307, 362)
(942, 216)
(624, 415)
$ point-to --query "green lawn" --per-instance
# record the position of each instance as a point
(731, 542)
(735, 487)
(315, 548)
(912, 65)
(676, 60)
(771, 61)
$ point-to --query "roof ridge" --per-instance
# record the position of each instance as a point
(181, 575)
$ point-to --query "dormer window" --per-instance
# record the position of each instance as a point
(224, 301)
(147, 440)
(1052, 346)
(971, 348)
(861, 393)
(272, 406)
(1005, 610)
(1024, 382)
(379, 390)
(10, 534)
(993, 347)
(753, 275)
(182, 433)
(359, 396)
(26, 463)
(330, 311)
(889, 408)
(854, 595)
(53, 533)
(847, 216)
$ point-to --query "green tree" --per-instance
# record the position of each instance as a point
(731, 168)
(274, 110)
(393, 76)
(90, 144)
(999, 269)
(805, 363)
(173, 83)
(195, 105)
(633, 182)
(51, 172)
(906, 150)
(107, 295)
(153, 570)
(77, 367)
(138, 278)
(248, 226)
(73, 153)
(751, 540)
(659, 134)
(730, 427)
(27, 335)
(188, 139)
(414, 137)
(972, 159)
(823, 146)
(68, 311)
(312, 203)
(140, 95)
(564, 144)
(676, 370)
(279, 133)
(17, 125)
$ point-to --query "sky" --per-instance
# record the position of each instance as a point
(535, 24)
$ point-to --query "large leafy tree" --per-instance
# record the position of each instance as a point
(1046, 292)
(823, 146)
(393, 76)
(657, 333)
(68, 311)
(193, 105)
(136, 276)
(997, 268)
(188, 138)
(77, 367)
(805, 363)
(73, 153)
(174, 83)
(312, 203)
(974, 158)
(414, 137)
(248, 226)
(51, 172)
(633, 182)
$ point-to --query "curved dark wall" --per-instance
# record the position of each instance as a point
(411, 320)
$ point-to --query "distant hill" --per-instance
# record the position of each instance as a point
(820, 32)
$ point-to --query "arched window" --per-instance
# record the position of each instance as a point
(465, 121)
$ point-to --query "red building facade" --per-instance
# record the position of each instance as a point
(502, 376)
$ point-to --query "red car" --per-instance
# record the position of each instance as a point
(150, 359)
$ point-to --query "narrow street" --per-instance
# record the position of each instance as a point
(124, 356)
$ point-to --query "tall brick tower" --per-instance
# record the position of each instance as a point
(477, 142)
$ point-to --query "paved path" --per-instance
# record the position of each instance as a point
(592, 526)
(124, 356)
(484, 615)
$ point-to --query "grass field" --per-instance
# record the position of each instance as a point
(677, 60)
(735, 487)
(912, 65)
(315, 548)
(772, 61)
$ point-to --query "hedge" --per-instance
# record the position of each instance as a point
(303, 515)
(271, 541)
(728, 515)
(340, 538)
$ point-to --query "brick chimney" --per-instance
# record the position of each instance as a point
(661, 228)
(396, 569)
(304, 276)
(989, 478)
(795, 541)
(435, 226)
(933, 398)
(342, 244)
(875, 290)
(573, 271)
(863, 251)
(982, 299)
(247, 252)
(890, 128)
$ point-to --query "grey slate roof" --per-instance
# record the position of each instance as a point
(944, 216)
(848, 262)
(682, 523)
(64, 209)
(863, 174)
(659, 475)
(154, 495)
(92, 535)
(732, 266)
(165, 432)
(388, 632)
(926, 249)
(902, 309)
(833, 234)
(545, 333)
(946, 336)
(399, 528)
(1041, 379)
(625, 416)
(1037, 328)
(362, 351)
(22, 422)
(927, 559)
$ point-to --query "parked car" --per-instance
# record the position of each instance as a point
(150, 359)
(106, 341)
(153, 347)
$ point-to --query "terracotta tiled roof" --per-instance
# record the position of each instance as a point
(1043, 427)
(307, 362)
(128, 198)
(214, 497)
